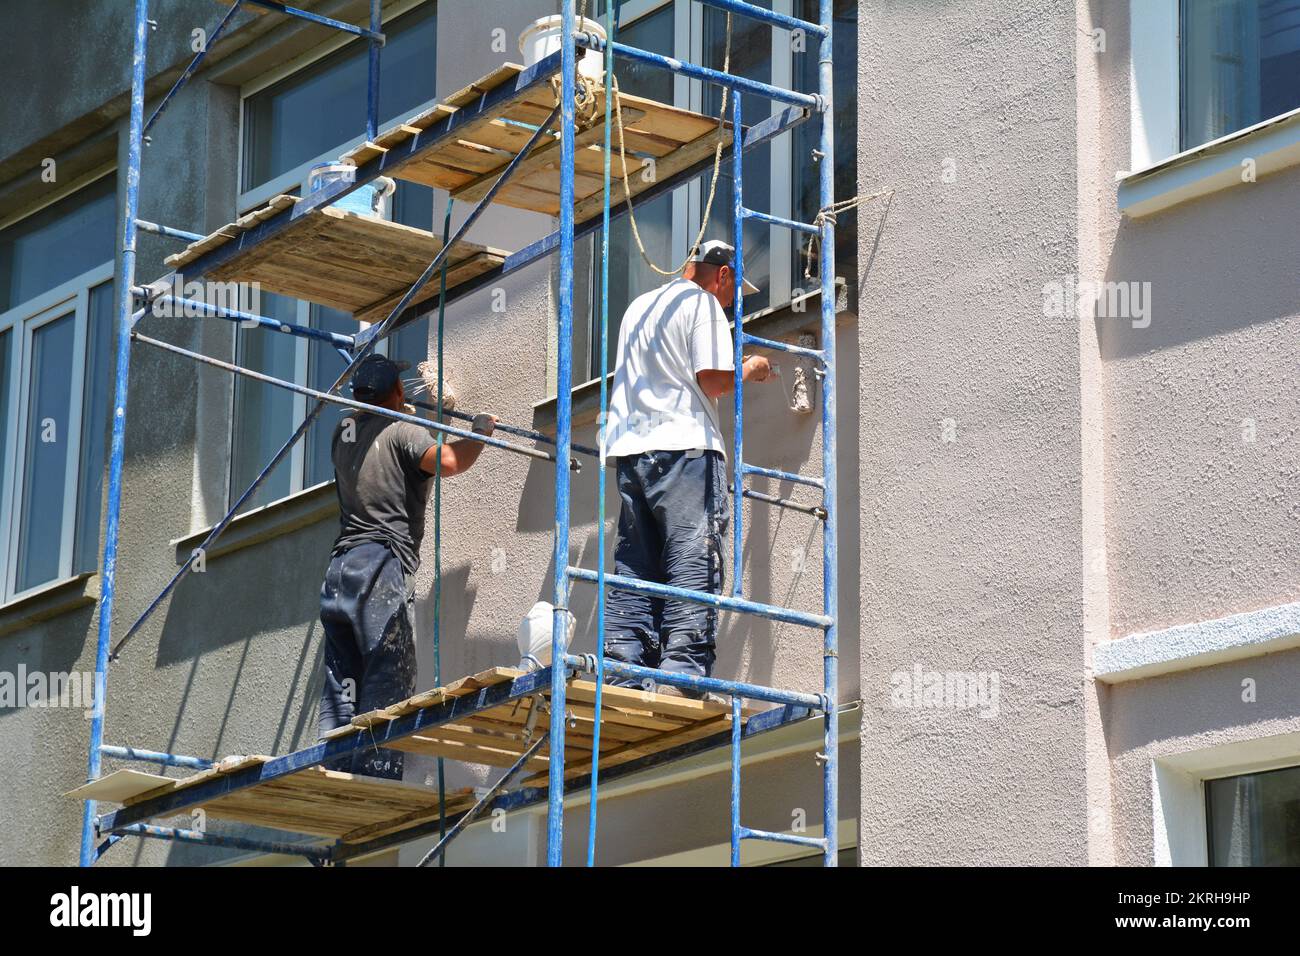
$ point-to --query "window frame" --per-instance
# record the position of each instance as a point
(260, 194)
(70, 298)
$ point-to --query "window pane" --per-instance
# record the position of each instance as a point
(95, 424)
(629, 276)
(1241, 65)
(751, 56)
(1255, 819)
(263, 418)
(58, 243)
(323, 106)
(325, 365)
(807, 137)
(41, 512)
(6, 387)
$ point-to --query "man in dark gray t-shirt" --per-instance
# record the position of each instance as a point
(382, 469)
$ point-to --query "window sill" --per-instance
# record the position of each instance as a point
(298, 510)
(49, 601)
(1273, 145)
(777, 323)
(1202, 644)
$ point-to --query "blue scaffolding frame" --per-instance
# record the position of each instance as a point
(101, 831)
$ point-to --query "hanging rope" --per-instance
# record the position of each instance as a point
(829, 214)
(717, 164)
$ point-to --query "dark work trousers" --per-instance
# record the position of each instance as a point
(674, 515)
(367, 611)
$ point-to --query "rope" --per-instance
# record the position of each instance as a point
(717, 165)
(829, 214)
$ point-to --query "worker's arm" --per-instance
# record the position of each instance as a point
(457, 456)
(716, 381)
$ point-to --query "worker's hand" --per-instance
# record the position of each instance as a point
(757, 369)
(484, 424)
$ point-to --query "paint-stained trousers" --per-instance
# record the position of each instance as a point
(367, 612)
(670, 528)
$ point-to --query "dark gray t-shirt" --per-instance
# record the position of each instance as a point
(382, 488)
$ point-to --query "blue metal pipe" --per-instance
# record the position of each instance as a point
(372, 84)
(738, 362)
(336, 339)
(145, 226)
(817, 843)
(320, 854)
(778, 221)
(194, 64)
(817, 511)
(711, 685)
(153, 756)
(735, 781)
(767, 16)
(508, 429)
(365, 345)
(830, 528)
(707, 598)
(327, 397)
(563, 436)
(784, 476)
(124, 280)
(318, 19)
(776, 346)
(716, 77)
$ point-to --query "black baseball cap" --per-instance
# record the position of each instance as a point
(715, 252)
(376, 376)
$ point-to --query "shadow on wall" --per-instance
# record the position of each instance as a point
(1214, 265)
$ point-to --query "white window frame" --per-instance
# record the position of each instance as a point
(22, 321)
(262, 193)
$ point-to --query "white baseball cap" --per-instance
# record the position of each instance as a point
(715, 252)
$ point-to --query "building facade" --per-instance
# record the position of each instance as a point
(1069, 481)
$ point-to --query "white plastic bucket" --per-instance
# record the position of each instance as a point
(542, 38)
(372, 199)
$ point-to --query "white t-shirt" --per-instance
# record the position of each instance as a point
(667, 335)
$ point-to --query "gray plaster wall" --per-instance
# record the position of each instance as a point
(970, 547)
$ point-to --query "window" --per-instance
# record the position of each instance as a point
(1240, 65)
(56, 351)
(1254, 819)
(314, 114)
(319, 111)
(780, 176)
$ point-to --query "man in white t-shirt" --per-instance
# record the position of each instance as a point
(674, 360)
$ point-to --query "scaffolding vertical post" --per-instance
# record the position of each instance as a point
(125, 281)
(563, 436)
(830, 552)
(738, 336)
(372, 84)
(736, 715)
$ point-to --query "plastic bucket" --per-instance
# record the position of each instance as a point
(542, 38)
(372, 199)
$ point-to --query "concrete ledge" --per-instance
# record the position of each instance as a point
(781, 322)
(1198, 645)
(1273, 145)
(298, 510)
(49, 601)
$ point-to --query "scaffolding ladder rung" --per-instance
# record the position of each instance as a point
(817, 843)
(781, 475)
(779, 221)
(785, 21)
(815, 354)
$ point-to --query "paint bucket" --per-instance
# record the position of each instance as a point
(542, 38)
(372, 199)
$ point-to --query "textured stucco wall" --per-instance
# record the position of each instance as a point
(970, 547)
(1200, 521)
